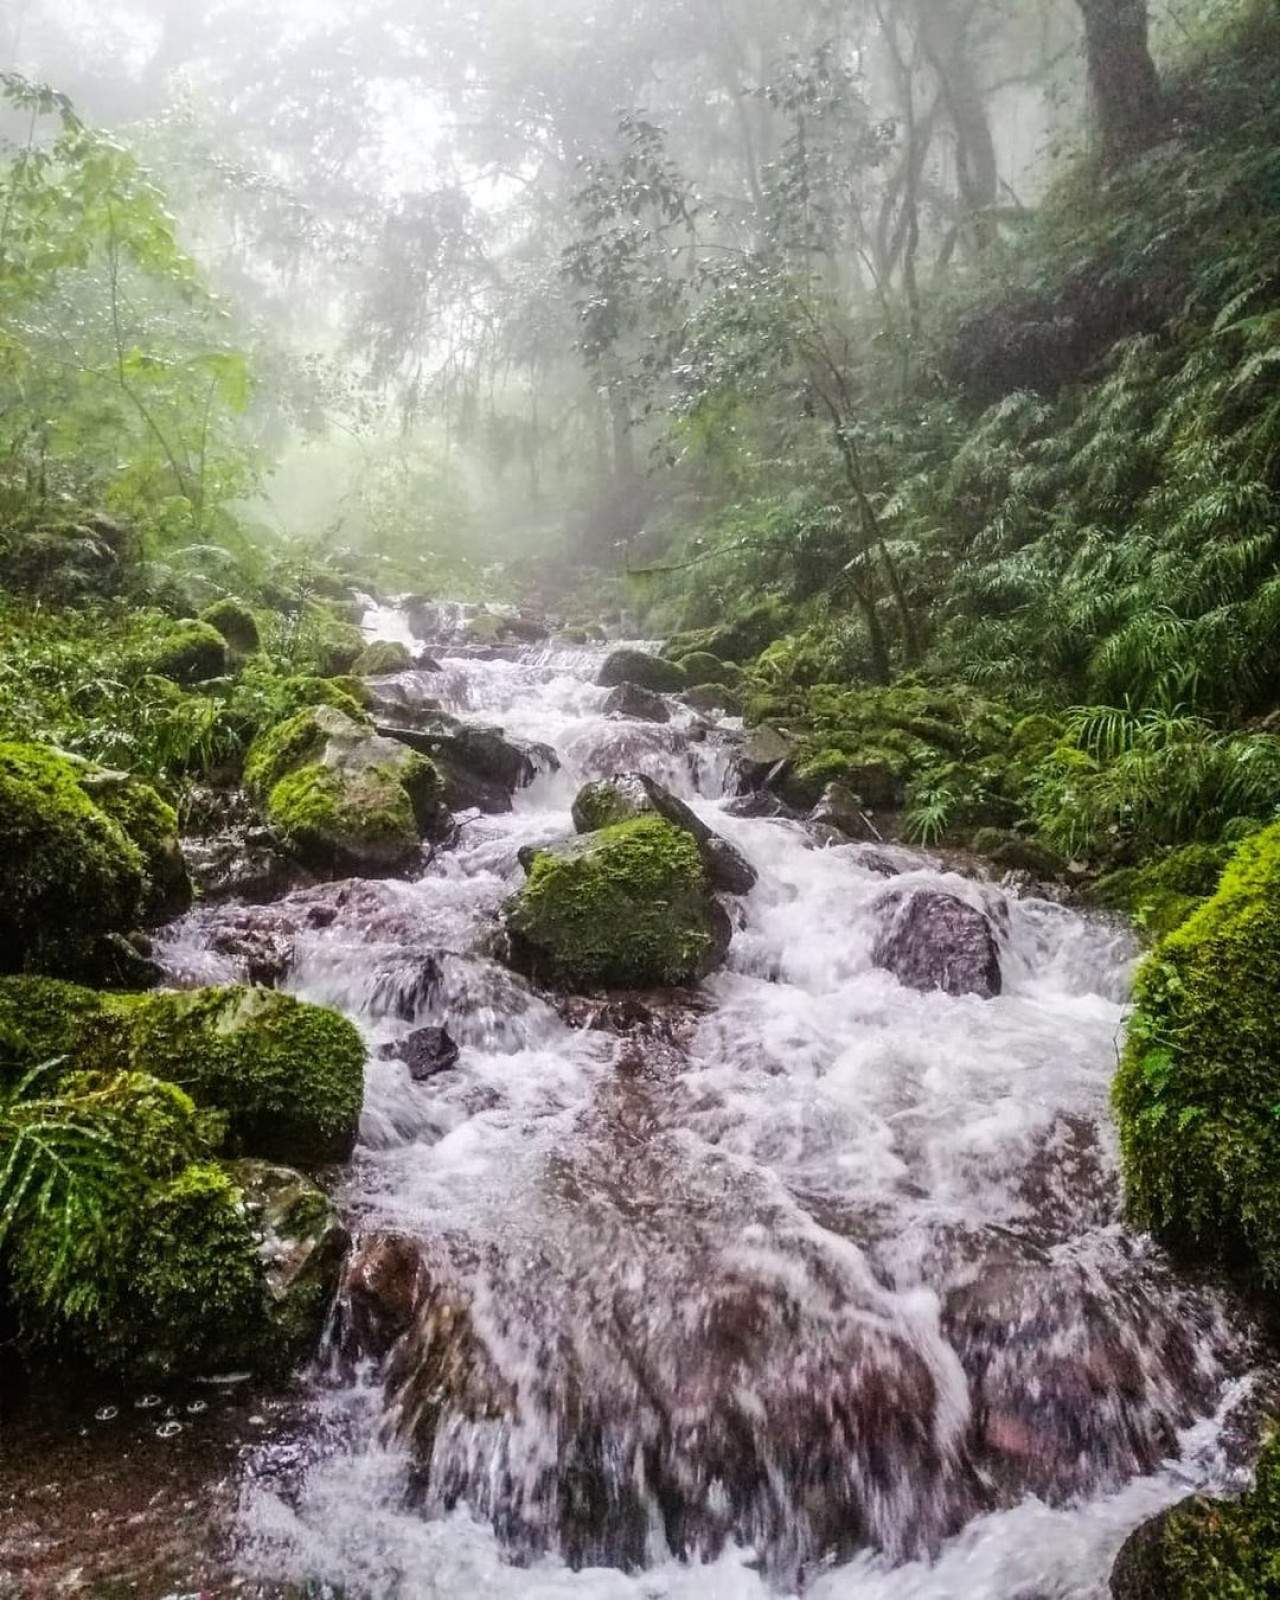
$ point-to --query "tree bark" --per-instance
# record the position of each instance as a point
(1122, 77)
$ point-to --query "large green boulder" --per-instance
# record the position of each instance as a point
(188, 652)
(628, 906)
(381, 657)
(287, 1078)
(236, 623)
(601, 805)
(1198, 1088)
(645, 671)
(84, 855)
(1204, 1549)
(341, 795)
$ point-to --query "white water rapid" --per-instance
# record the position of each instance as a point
(804, 1282)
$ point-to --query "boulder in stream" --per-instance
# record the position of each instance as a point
(481, 768)
(628, 906)
(643, 670)
(381, 658)
(643, 705)
(341, 795)
(600, 805)
(930, 939)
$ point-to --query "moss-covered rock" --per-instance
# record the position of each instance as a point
(625, 907)
(635, 794)
(877, 777)
(189, 652)
(645, 671)
(336, 646)
(287, 1077)
(381, 657)
(236, 623)
(341, 795)
(301, 1244)
(740, 639)
(1015, 852)
(713, 697)
(700, 666)
(1203, 1549)
(1162, 893)
(151, 824)
(69, 873)
(1199, 1081)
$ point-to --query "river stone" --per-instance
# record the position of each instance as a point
(429, 1051)
(765, 754)
(1141, 1570)
(630, 700)
(598, 805)
(930, 939)
(712, 697)
(481, 768)
(839, 808)
(301, 1244)
(643, 670)
(384, 1284)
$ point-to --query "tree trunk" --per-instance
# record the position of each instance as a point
(1122, 77)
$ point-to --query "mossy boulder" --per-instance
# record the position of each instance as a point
(380, 658)
(69, 872)
(714, 697)
(341, 795)
(645, 671)
(740, 639)
(286, 1077)
(336, 646)
(1162, 893)
(301, 1245)
(603, 805)
(1204, 1549)
(151, 823)
(628, 906)
(1199, 1081)
(189, 652)
(877, 777)
(236, 623)
(1015, 852)
(700, 666)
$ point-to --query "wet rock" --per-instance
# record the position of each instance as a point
(382, 658)
(932, 940)
(713, 697)
(481, 768)
(301, 1244)
(263, 955)
(630, 700)
(645, 671)
(599, 805)
(228, 850)
(1013, 852)
(841, 809)
(429, 1051)
(760, 803)
(383, 1287)
(628, 907)
(401, 702)
(1141, 1570)
(424, 661)
(765, 756)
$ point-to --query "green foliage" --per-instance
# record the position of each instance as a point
(1195, 1097)
(625, 907)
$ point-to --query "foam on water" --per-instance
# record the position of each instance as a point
(909, 1200)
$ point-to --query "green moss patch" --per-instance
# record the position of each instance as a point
(382, 656)
(190, 652)
(236, 623)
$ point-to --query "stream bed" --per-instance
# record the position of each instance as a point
(805, 1281)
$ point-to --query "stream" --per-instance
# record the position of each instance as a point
(801, 1282)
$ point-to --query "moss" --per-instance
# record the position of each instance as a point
(876, 776)
(1014, 852)
(236, 623)
(646, 671)
(286, 1077)
(349, 695)
(603, 805)
(1161, 894)
(283, 748)
(711, 697)
(337, 647)
(1206, 1549)
(151, 824)
(190, 652)
(1197, 1096)
(380, 657)
(1035, 736)
(700, 666)
(332, 817)
(624, 907)
(68, 871)
(739, 639)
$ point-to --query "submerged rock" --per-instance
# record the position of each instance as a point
(384, 1284)
(630, 700)
(600, 805)
(645, 671)
(932, 940)
(628, 906)
(429, 1051)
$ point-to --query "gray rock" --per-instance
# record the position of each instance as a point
(840, 808)
(642, 705)
(429, 1051)
(932, 940)
(646, 671)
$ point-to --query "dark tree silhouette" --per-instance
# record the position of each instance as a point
(1122, 77)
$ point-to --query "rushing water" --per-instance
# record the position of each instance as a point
(806, 1281)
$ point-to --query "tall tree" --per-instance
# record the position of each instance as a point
(1122, 76)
